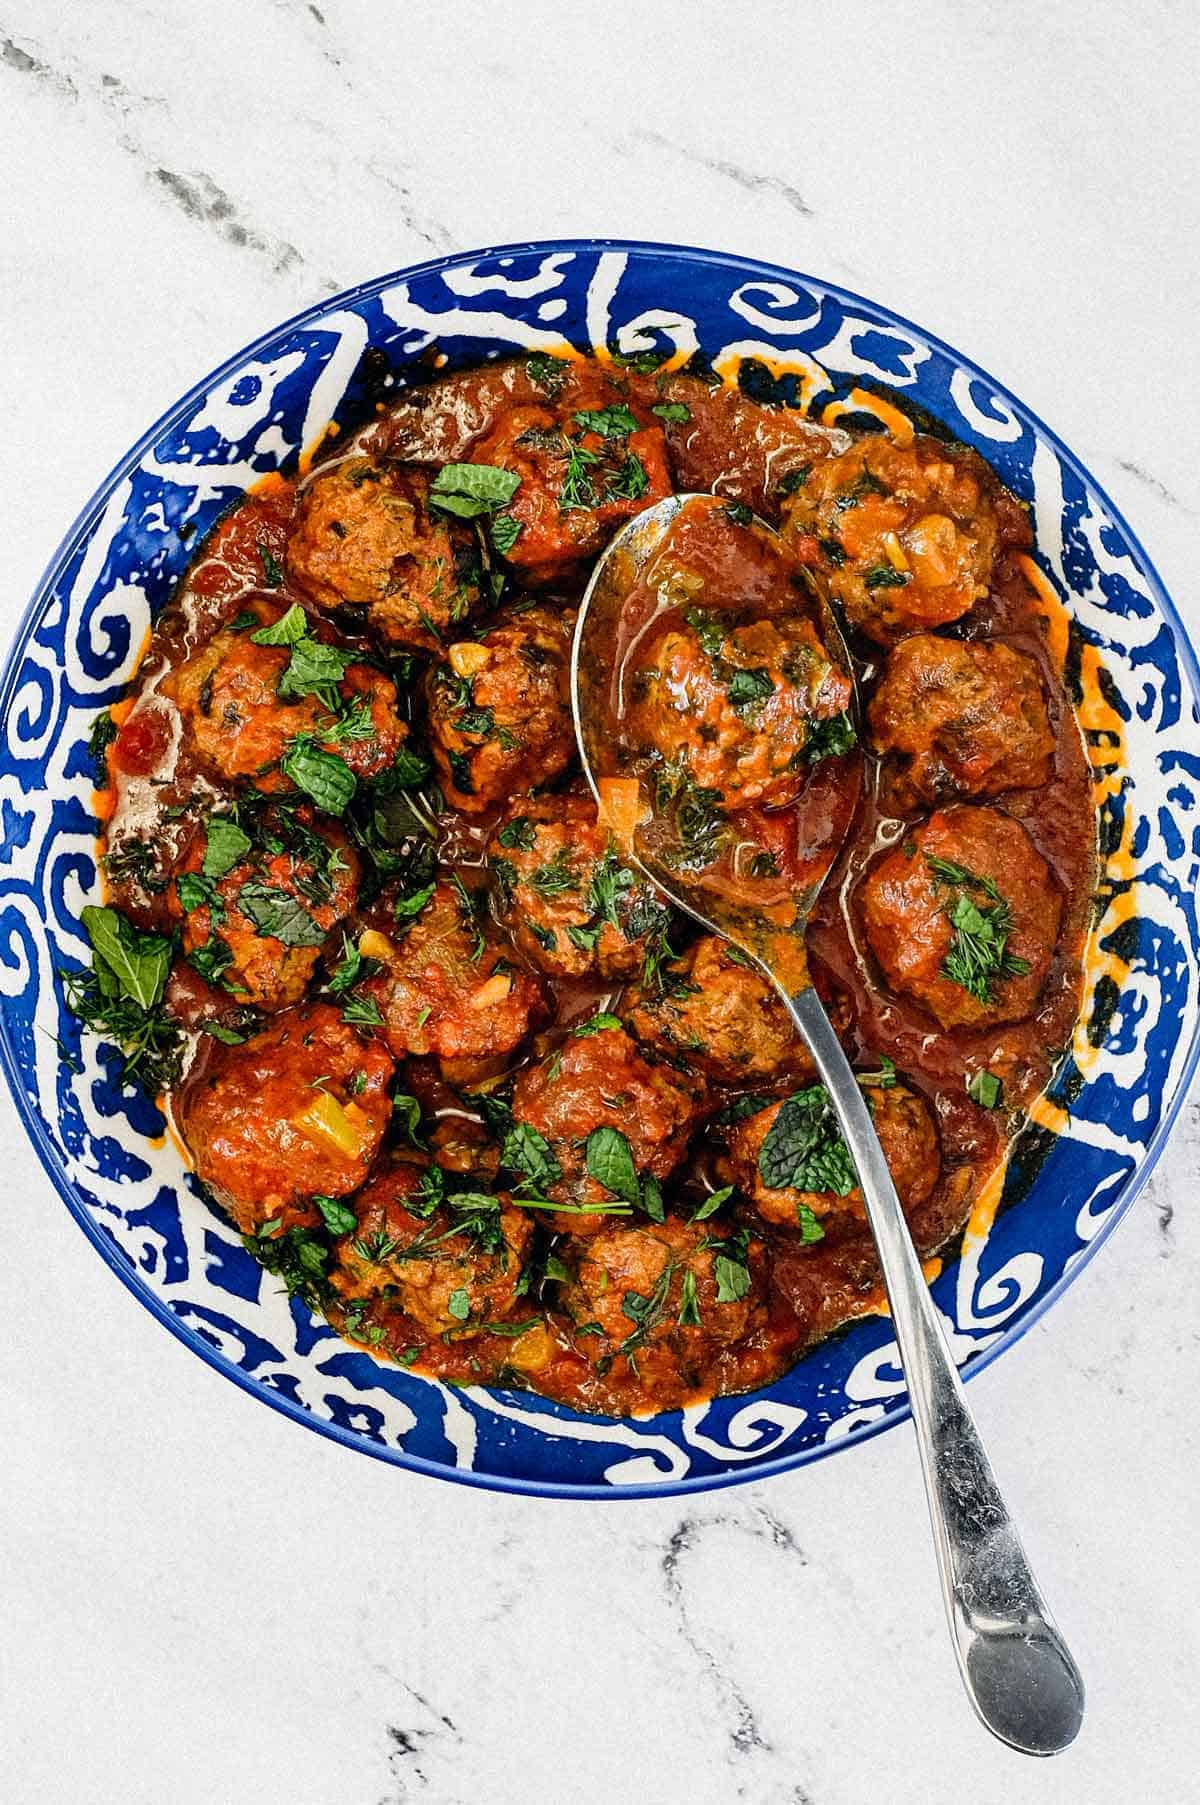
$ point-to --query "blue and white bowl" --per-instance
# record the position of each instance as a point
(1077, 1167)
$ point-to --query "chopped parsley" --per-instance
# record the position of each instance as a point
(104, 732)
(272, 574)
(831, 737)
(979, 957)
(884, 576)
(518, 834)
(120, 997)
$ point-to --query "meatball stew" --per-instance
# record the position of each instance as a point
(460, 1077)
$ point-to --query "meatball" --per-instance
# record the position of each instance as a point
(500, 710)
(366, 535)
(604, 1080)
(963, 916)
(583, 472)
(259, 925)
(451, 1271)
(296, 1111)
(666, 1297)
(446, 989)
(908, 535)
(719, 439)
(560, 889)
(962, 720)
(241, 726)
(720, 1013)
(906, 1132)
(732, 708)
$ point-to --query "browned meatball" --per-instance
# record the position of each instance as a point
(962, 719)
(561, 890)
(584, 469)
(450, 1270)
(720, 1013)
(604, 1080)
(445, 987)
(365, 534)
(257, 925)
(907, 535)
(721, 440)
(296, 1111)
(242, 717)
(733, 707)
(665, 1297)
(810, 1142)
(963, 916)
(500, 710)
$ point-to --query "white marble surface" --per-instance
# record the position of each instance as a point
(205, 1604)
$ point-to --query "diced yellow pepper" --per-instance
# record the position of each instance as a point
(620, 807)
(533, 1351)
(467, 657)
(342, 1127)
(373, 945)
(493, 990)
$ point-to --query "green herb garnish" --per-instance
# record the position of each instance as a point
(609, 422)
(322, 775)
(225, 844)
(468, 490)
(277, 913)
(978, 956)
(804, 1149)
(291, 626)
(985, 1089)
(338, 1217)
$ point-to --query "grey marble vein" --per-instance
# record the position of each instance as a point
(203, 200)
(195, 193)
(753, 181)
(1134, 469)
(745, 1735)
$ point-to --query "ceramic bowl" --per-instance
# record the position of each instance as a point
(1091, 1141)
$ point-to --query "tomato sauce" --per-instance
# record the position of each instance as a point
(725, 1302)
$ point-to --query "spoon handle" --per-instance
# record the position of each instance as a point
(1017, 1669)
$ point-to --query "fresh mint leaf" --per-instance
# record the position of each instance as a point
(276, 912)
(322, 775)
(285, 631)
(609, 422)
(530, 1153)
(272, 574)
(224, 846)
(596, 1025)
(338, 1218)
(985, 1089)
(138, 962)
(468, 490)
(504, 532)
(804, 1149)
(609, 1159)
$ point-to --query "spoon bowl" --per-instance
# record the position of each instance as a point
(1018, 1672)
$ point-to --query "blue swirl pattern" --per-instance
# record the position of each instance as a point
(1077, 1166)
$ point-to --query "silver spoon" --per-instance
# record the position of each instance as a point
(1017, 1669)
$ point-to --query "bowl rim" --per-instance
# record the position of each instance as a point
(84, 523)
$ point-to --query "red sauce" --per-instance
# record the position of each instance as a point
(836, 819)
